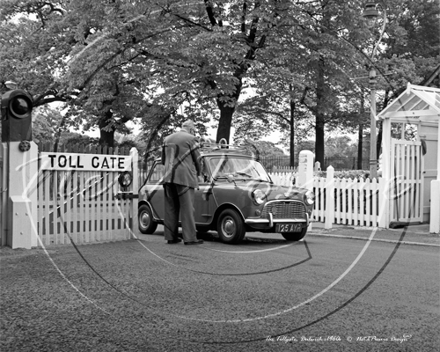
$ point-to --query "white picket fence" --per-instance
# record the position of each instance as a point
(355, 202)
(83, 207)
(283, 178)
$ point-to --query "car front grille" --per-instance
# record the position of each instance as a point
(285, 210)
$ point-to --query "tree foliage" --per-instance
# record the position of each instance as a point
(298, 62)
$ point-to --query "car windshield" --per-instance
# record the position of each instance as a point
(222, 166)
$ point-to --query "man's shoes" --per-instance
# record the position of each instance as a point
(177, 240)
(195, 242)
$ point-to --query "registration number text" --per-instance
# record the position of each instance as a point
(288, 227)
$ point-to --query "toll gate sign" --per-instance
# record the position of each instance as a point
(84, 162)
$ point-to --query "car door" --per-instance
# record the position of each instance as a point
(204, 202)
(154, 191)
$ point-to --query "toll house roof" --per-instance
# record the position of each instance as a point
(416, 103)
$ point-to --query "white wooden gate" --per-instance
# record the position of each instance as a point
(85, 206)
(3, 192)
(406, 188)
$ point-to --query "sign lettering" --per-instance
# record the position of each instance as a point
(84, 162)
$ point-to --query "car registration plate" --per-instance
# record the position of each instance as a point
(295, 227)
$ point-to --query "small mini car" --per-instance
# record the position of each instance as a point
(236, 195)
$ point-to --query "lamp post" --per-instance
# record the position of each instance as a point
(373, 147)
(371, 13)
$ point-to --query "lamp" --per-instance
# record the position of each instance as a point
(371, 13)
(11, 85)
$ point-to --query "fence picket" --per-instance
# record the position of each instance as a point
(87, 206)
(349, 213)
(418, 211)
(375, 194)
(96, 231)
(361, 212)
(81, 209)
(342, 201)
(322, 198)
(368, 198)
(398, 202)
(75, 202)
(108, 208)
(49, 230)
(338, 203)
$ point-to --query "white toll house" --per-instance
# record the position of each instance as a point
(411, 157)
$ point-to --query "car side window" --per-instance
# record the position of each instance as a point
(157, 173)
(204, 175)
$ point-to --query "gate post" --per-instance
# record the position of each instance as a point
(135, 185)
(21, 220)
(305, 173)
(385, 204)
(434, 219)
(3, 192)
(329, 198)
(383, 207)
(305, 169)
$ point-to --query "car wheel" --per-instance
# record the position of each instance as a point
(295, 236)
(145, 218)
(230, 226)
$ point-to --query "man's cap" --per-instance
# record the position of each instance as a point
(189, 124)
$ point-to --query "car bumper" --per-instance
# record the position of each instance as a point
(271, 221)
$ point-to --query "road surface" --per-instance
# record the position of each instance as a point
(321, 294)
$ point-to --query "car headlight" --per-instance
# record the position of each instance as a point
(309, 197)
(258, 196)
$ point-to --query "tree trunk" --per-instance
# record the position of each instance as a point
(225, 122)
(361, 135)
(107, 131)
(380, 123)
(319, 143)
(379, 140)
(292, 130)
(360, 145)
(226, 110)
(320, 117)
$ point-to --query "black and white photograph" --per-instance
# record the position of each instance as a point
(231, 175)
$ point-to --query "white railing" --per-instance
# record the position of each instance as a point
(345, 201)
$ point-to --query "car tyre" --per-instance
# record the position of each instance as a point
(230, 226)
(145, 219)
(295, 236)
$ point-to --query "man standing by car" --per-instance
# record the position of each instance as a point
(180, 155)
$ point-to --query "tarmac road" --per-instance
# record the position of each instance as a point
(321, 294)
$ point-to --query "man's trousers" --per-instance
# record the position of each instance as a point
(179, 199)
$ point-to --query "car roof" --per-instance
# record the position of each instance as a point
(214, 149)
(221, 152)
(220, 149)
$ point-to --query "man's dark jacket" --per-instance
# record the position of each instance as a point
(181, 158)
